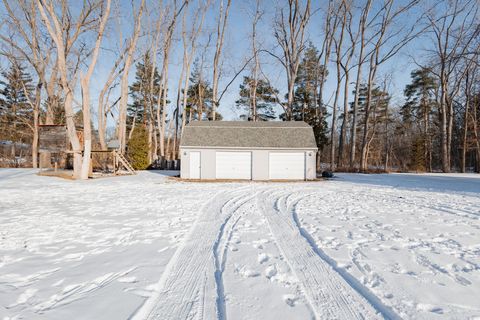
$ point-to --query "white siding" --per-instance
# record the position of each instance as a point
(195, 165)
(260, 160)
(233, 165)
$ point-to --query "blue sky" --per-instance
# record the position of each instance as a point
(237, 49)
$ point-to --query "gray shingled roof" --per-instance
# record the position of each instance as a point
(247, 134)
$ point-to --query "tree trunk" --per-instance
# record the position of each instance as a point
(36, 115)
(122, 116)
(465, 123)
(387, 147)
(169, 152)
(353, 135)
(343, 132)
(150, 141)
(221, 26)
(364, 149)
(464, 140)
(57, 36)
(475, 132)
(444, 129)
(256, 65)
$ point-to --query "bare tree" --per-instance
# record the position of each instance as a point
(256, 61)
(346, 67)
(122, 117)
(102, 108)
(85, 84)
(362, 27)
(342, 20)
(386, 44)
(38, 54)
(289, 32)
(451, 34)
(152, 130)
(162, 109)
(188, 41)
(221, 26)
(330, 27)
(64, 42)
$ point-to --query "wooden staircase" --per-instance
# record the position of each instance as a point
(121, 158)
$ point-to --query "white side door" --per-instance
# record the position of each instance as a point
(195, 165)
(287, 165)
(233, 165)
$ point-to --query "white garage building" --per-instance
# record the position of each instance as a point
(270, 150)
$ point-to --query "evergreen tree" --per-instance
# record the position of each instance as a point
(380, 101)
(137, 148)
(199, 96)
(15, 111)
(265, 99)
(417, 162)
(420, 96)
(58, 110)
(417, 113)
(307, 104)
(143, 95)
(379, 119)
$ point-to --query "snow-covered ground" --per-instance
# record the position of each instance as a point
(148, 247)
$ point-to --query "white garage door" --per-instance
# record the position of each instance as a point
(233, 165)
(290, 166)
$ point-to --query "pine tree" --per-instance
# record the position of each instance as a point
(418, 110)
(143, 95)
(265, 99)
(307, 104)
(55, 103)
(15, 111)
(420, 96)
(199, 96)
(379, 103)
(379, 119)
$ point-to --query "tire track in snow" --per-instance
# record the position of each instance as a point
(331, 294)
(220, 253)
(384, 310)
(191, 286)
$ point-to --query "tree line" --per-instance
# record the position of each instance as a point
(340, 82)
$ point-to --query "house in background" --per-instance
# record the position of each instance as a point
(270, 150)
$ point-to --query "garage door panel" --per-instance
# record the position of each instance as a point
(288, 165)
(233, 165)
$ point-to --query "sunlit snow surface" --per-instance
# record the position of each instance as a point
(145, 246)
